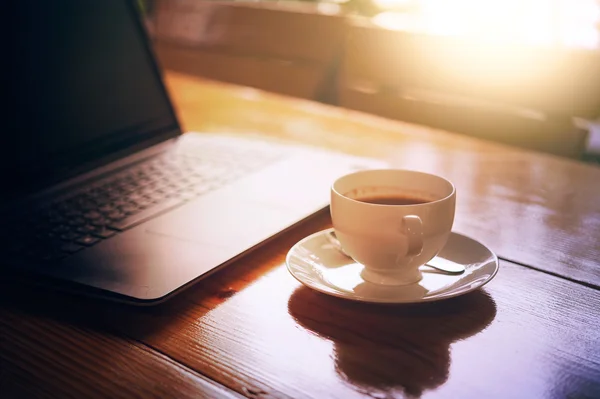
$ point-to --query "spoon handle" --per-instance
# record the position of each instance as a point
(446, 265)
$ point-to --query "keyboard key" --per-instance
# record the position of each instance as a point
(145, 214)
(87, 206)
(106, 208)
(120, 202)
(156, 196)
(87, 229)
(101, 200)
(144, 181)
(113, 195)
(103, 233)
(116, 215)
(100, 222)
(129, 208)
(87, 240)
(188, 195)
(91, 215)
(144, 203)
(76, 222)
(135, 196)
(70, 236)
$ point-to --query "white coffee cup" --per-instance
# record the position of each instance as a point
(392, 241)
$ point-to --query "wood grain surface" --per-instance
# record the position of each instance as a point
(255, 329)
(529, 207)
(45, 357)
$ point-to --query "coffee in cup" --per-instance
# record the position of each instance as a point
(392, 221)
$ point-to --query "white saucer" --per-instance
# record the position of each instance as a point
(316, 263)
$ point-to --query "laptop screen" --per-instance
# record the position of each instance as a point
(83, 86)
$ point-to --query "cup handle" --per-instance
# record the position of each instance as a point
(412, 227)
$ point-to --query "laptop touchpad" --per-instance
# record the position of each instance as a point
(224, 223)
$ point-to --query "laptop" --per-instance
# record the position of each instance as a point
(102, 193)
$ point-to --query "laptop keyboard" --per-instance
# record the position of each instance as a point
(122, 201)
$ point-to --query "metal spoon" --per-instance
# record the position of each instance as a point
(441, 264)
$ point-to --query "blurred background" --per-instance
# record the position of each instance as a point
(520, 72)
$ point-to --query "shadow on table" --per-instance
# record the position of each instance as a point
(392, 348)
(141, 322)
(137, 322)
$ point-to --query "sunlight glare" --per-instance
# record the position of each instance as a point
(574, 23)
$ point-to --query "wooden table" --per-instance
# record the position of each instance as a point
(252, 330)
